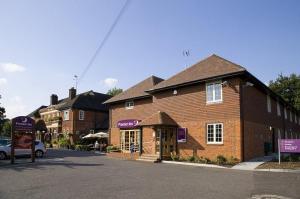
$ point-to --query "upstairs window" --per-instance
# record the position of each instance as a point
(285, 113)
(66, 115)
(269, 104)
(129, 105)
(214, 92)
(81, 115)
(215, 133)
(278, 109)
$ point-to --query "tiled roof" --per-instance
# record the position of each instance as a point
(137, 90)
(159, 118)
(89, 100)
(32, 114)
(210, 67)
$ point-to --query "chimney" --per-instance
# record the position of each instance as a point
(72, 93)
(53, 99)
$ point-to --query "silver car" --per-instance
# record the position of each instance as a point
(40, 150)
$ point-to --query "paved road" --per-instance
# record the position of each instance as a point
(70, 174)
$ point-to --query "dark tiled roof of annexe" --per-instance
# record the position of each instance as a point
(89, 100)
(137, 90)
(158, 118)
(210, 67)
(35, 111)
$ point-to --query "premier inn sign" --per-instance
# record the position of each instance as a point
(127, 123)
(23, 123)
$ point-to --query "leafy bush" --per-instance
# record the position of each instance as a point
(221, 160)
(191, 158)
(232, 161)
(174, 157)
(113, 149)
(80, 147)
(202, 160)
(54, 142)
(64, 143)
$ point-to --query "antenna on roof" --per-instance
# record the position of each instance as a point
(186, 53)
(75, 78)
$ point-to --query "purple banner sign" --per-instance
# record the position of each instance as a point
(181, 135)
(290, 145)
(23, 123)
(127, 123)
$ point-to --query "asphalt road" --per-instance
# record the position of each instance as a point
(71, 174)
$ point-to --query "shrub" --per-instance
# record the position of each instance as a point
(191, 158)
(54, 142)
(232, 160)
(174, 157)
(202, 160)
(112, 149)
(80, 147)
(64, 143)
(221, 159)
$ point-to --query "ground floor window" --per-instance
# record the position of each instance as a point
(128, 137)
(215, 133)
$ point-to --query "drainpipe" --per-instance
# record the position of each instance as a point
(242, 121)
(141, 141)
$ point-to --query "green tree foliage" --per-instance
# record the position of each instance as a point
(114, 91)
(2, 116)
(288, 87)
(6, 128)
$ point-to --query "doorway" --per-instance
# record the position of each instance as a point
(168, 141)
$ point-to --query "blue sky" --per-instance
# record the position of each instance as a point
(44, 43)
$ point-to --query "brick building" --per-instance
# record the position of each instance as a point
(214, 107)
(76, 115)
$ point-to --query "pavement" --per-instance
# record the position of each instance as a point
(252, 164)
(74, 174)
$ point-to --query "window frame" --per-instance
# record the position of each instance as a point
(128, 106)
(81, 117)
(214, 101)
(214, 133)
(269, 104)
(66, 111)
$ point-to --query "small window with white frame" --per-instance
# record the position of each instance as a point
(215, 133)
(81, 115)
(278, 109)
(214, 92)
(66, 115)
(129, 105)
(269, 104)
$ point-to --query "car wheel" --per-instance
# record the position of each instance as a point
(2, 155)
(39, 154)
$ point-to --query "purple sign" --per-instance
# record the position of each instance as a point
(127, 123)
(290, 145)
(23, 123)
(181, 135)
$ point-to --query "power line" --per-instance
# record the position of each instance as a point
(90, 63)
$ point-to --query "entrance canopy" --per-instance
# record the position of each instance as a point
(158, 118)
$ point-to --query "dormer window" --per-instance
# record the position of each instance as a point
(129, 105)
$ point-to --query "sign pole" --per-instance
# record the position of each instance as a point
(12, 145)
(279, 155)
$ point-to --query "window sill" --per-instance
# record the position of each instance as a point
(215, 102)
(215, 143)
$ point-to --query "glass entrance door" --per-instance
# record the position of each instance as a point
(129, 137)
(168, 140)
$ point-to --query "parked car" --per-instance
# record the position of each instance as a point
(4, 142)
(40, 150)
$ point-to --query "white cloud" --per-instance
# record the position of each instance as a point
(11, 68)
(3, 81)
(110, 82)
(15, 107)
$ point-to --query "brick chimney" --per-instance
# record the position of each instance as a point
(53, 99)
(72, 93)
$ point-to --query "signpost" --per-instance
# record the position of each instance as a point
(288, 146)
(181, 135)
(22, 136)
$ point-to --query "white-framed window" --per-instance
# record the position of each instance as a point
(269, 104)
(66, 115)
(214, 92)
(129, 105)
(285, 113)
(278, 109)
(214, 133)
(291, 116)
(81, 115)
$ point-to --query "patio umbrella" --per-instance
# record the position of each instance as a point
(101, 135)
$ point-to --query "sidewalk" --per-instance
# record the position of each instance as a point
(252, 164)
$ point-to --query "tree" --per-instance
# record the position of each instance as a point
(114, 91)
(6, 128)
(2, 116)
(288, 87)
